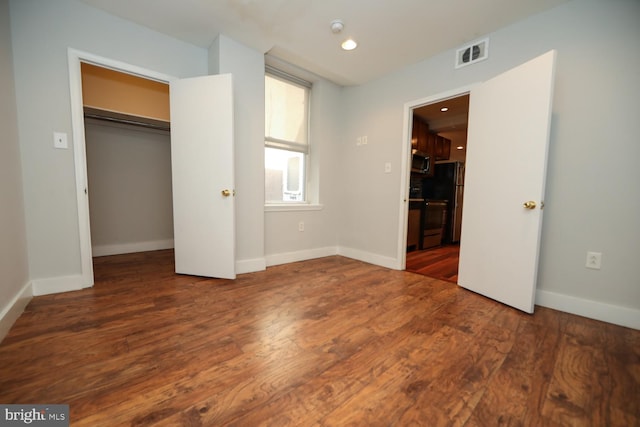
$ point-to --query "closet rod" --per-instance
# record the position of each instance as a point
(127, 119)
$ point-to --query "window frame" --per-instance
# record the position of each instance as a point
(292, 146)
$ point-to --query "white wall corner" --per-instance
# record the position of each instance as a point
(213, 57)
(371, 258)
(14, 309)
(56, 285)
(609, 313)
(250, 265)
(288, 257)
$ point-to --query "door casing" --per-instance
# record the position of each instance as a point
(406, 163)
(75, 57)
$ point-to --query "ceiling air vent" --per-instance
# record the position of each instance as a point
(472, 53)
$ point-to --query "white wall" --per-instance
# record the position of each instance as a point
(592, 199)
(42, 31)
(14, 289)
(129, 173)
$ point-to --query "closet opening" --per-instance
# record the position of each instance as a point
(128, 161)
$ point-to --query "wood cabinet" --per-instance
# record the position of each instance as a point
(442, 148)
(419, 135)
(436, 146)
(431, 144)
(414, 229)
(414, 134)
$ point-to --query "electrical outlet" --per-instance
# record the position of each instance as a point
(301, 226)
(594, 260)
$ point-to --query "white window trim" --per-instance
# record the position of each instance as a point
(292, 207)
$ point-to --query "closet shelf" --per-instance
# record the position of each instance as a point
(113, 116)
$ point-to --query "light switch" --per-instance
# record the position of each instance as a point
(387, 167)
(60, 140)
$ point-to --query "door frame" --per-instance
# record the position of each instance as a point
(405, 167)
(75, 57)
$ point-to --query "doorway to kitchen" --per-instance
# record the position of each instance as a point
(509, 116)
(439, 135)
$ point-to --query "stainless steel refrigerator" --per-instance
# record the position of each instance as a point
(447, 184)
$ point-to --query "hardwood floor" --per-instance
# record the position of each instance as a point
(440, 262)
(324, 342)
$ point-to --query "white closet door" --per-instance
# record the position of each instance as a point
(202, 172)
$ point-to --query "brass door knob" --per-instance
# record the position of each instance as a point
(529, 205)
(226, 193)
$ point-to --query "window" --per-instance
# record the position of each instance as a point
(286, 137)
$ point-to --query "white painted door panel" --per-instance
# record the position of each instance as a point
(202, 167)
(508, 137)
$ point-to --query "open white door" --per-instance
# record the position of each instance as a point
(508, 137)
(202, 170)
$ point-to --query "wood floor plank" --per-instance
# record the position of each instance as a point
(515, 395)
(582, 385)
(330, 341)
(440, 262)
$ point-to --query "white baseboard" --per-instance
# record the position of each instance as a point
(287, 257)
(250, 265)
(370, 258)
(609, 313)
(614, 314)
(127, 248)
(56, 285)
(14, 309)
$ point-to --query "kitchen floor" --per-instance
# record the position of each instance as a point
(440, 262)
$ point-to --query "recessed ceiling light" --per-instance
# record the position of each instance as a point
(444, 109)
(349, 44)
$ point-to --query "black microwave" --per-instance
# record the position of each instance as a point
(420, 162)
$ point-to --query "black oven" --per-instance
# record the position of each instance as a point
(416, 187)
(435, 217)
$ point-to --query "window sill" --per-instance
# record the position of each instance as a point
(293, 207)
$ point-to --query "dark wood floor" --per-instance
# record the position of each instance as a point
(325, 342)
(440, 262)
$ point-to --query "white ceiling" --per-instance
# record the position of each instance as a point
(391, 34)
